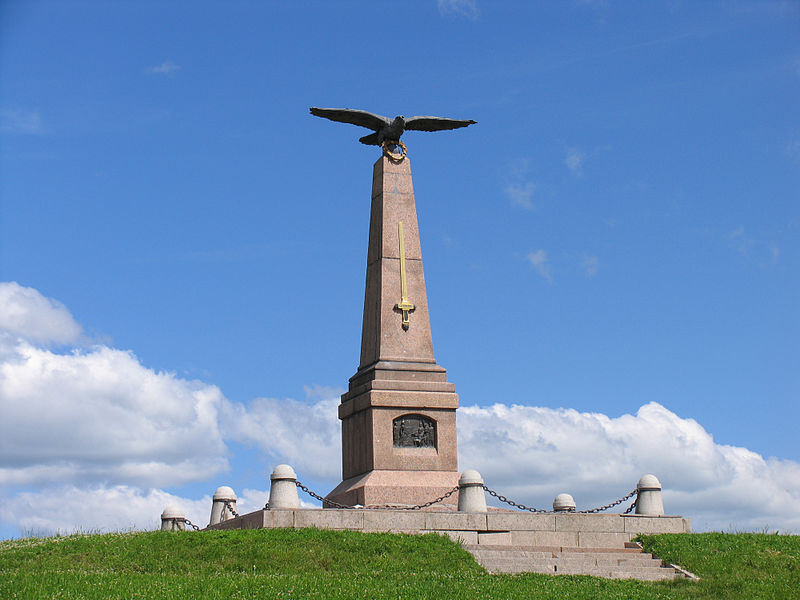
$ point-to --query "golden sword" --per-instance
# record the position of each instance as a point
(404, 305)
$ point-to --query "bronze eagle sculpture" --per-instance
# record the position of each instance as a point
(387, 129)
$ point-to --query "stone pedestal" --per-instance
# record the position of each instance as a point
(399, 414)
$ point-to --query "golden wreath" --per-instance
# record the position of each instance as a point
(391, 156)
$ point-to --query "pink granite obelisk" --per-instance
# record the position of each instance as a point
(399, 414)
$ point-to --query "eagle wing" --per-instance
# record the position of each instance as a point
(354, 117)
(435, 123)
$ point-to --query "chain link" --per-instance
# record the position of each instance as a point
(512, 503)
(318, 497)
(432, 502)
(337, 505)
(488, 490)
(230, 508)
(612, 505)
(541, 510)
(192, 525)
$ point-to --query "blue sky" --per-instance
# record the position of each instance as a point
(618, 231)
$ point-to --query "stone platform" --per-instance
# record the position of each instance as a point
(505, 541)
(572, 530)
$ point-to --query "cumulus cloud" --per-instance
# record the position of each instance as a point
(20, 121)
(535, 453)
(301, 434)
(95, 415)
(541, 264)
(88, 435)
(70, 509)
(463, 8)
(27, 314)
(166, 68)
(90, 438)
(521, 194)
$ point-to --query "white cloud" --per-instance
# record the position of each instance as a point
(166, 68)
(21, 121)
(89, 437)
(70, 509)
(464, 8)
(541, 264)
(27, 314)
(574, 160)
(101, 416)
(590, 265)
(304, 435)
(521, 194)
(533, 453)
(95, 415)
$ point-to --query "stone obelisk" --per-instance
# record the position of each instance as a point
(399, 414)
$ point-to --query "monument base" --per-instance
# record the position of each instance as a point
(388, 488)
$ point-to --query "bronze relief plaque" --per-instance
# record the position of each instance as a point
(414, 431)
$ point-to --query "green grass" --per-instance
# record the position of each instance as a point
(310, 563)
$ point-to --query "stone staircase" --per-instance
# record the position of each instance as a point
(629, 562)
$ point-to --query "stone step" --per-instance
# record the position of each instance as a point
(659, 574)
(483, 551)
(613, 563)
(655, 573)
(568, 561)
(557, 564)
(499, 547)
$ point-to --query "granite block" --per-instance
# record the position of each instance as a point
(635, 524)
(494, 538)
(520, 521)
(329, 519)
(275, 519)
(594, 539)
(394, 520)
(455, 521)
(544, 538)
(591, 522)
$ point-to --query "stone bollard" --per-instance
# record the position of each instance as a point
(648, 498)
(173, 519)
(219, 511)
(283, 488)
(564, 503)
(471, 497)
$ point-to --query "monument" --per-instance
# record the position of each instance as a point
(398, 416)
(399, 447)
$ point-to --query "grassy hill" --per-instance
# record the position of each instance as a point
(310, 563)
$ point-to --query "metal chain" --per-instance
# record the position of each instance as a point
(230, 508)
(318, 497)
(432, 502)
(512, 503)
(192, 525)
(491, 492)
(612, 505)
(337, 505)
(540, 510)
